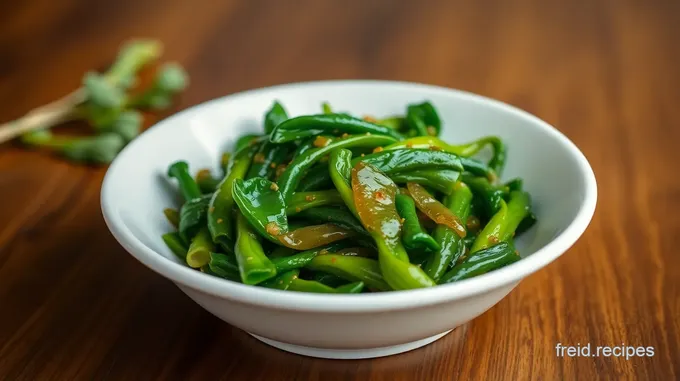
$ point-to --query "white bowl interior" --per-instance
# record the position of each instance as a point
(199, 135)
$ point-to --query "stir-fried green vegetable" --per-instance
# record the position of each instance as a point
(335, 203)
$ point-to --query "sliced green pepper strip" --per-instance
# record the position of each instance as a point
(442, 180)
(351, 268)
(220, 216)
(268, 156)
(187, 186)
(502, 226)
(493, 230)
(306, 200)
(300, 260)
(329, 279)
(301, 285)
(274, 116)
(253, 264)
(312, 125)
(192, 216)
(224, 163)
(340, 169)
(406, 160)
(282, 281)
(249, 140)
(338, 216)
(413, 236)
(374, 195)
(175, 243)
(200, 248)
(261, 203)
(172, 215)
(423, 119)
(497, 162)
(326, 108)
(482, 262)
(224, 266)
(296, 170)
(452, 246)
(519, 208)
(490, 196)
(206, 182)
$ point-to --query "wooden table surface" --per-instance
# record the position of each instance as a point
(75, 306)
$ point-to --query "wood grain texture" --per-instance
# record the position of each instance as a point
(76, 306)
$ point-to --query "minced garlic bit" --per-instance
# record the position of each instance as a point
(370, 119)
(493, 239)
(363, 154)
(431, 130)
(203, 174)
(402, 220)
(435, 148)
(321, 141)
(378, 149)
(298, 209)
(323, 252)
(310, 197)
(345, 135)
(272, 228)
(409, 145)
(274, 187)
(219, 220)
(259, 158)
(272, 165)
(212, 209)
(280, 169)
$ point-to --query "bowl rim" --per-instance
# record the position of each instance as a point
(352, 303)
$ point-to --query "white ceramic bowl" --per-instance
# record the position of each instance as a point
(555, 172)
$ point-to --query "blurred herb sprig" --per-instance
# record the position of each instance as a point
(106, 103)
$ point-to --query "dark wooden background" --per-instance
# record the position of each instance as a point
(74, 305)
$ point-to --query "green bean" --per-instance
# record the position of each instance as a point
(224, 266)
(220, 210)
(282, 281)
(187, 186)
(200, 248)
(452, 246)
(340, 168)
(253, 264)
(176, 245)
(351, 268)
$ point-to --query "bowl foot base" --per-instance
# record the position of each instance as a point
(350, 354)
